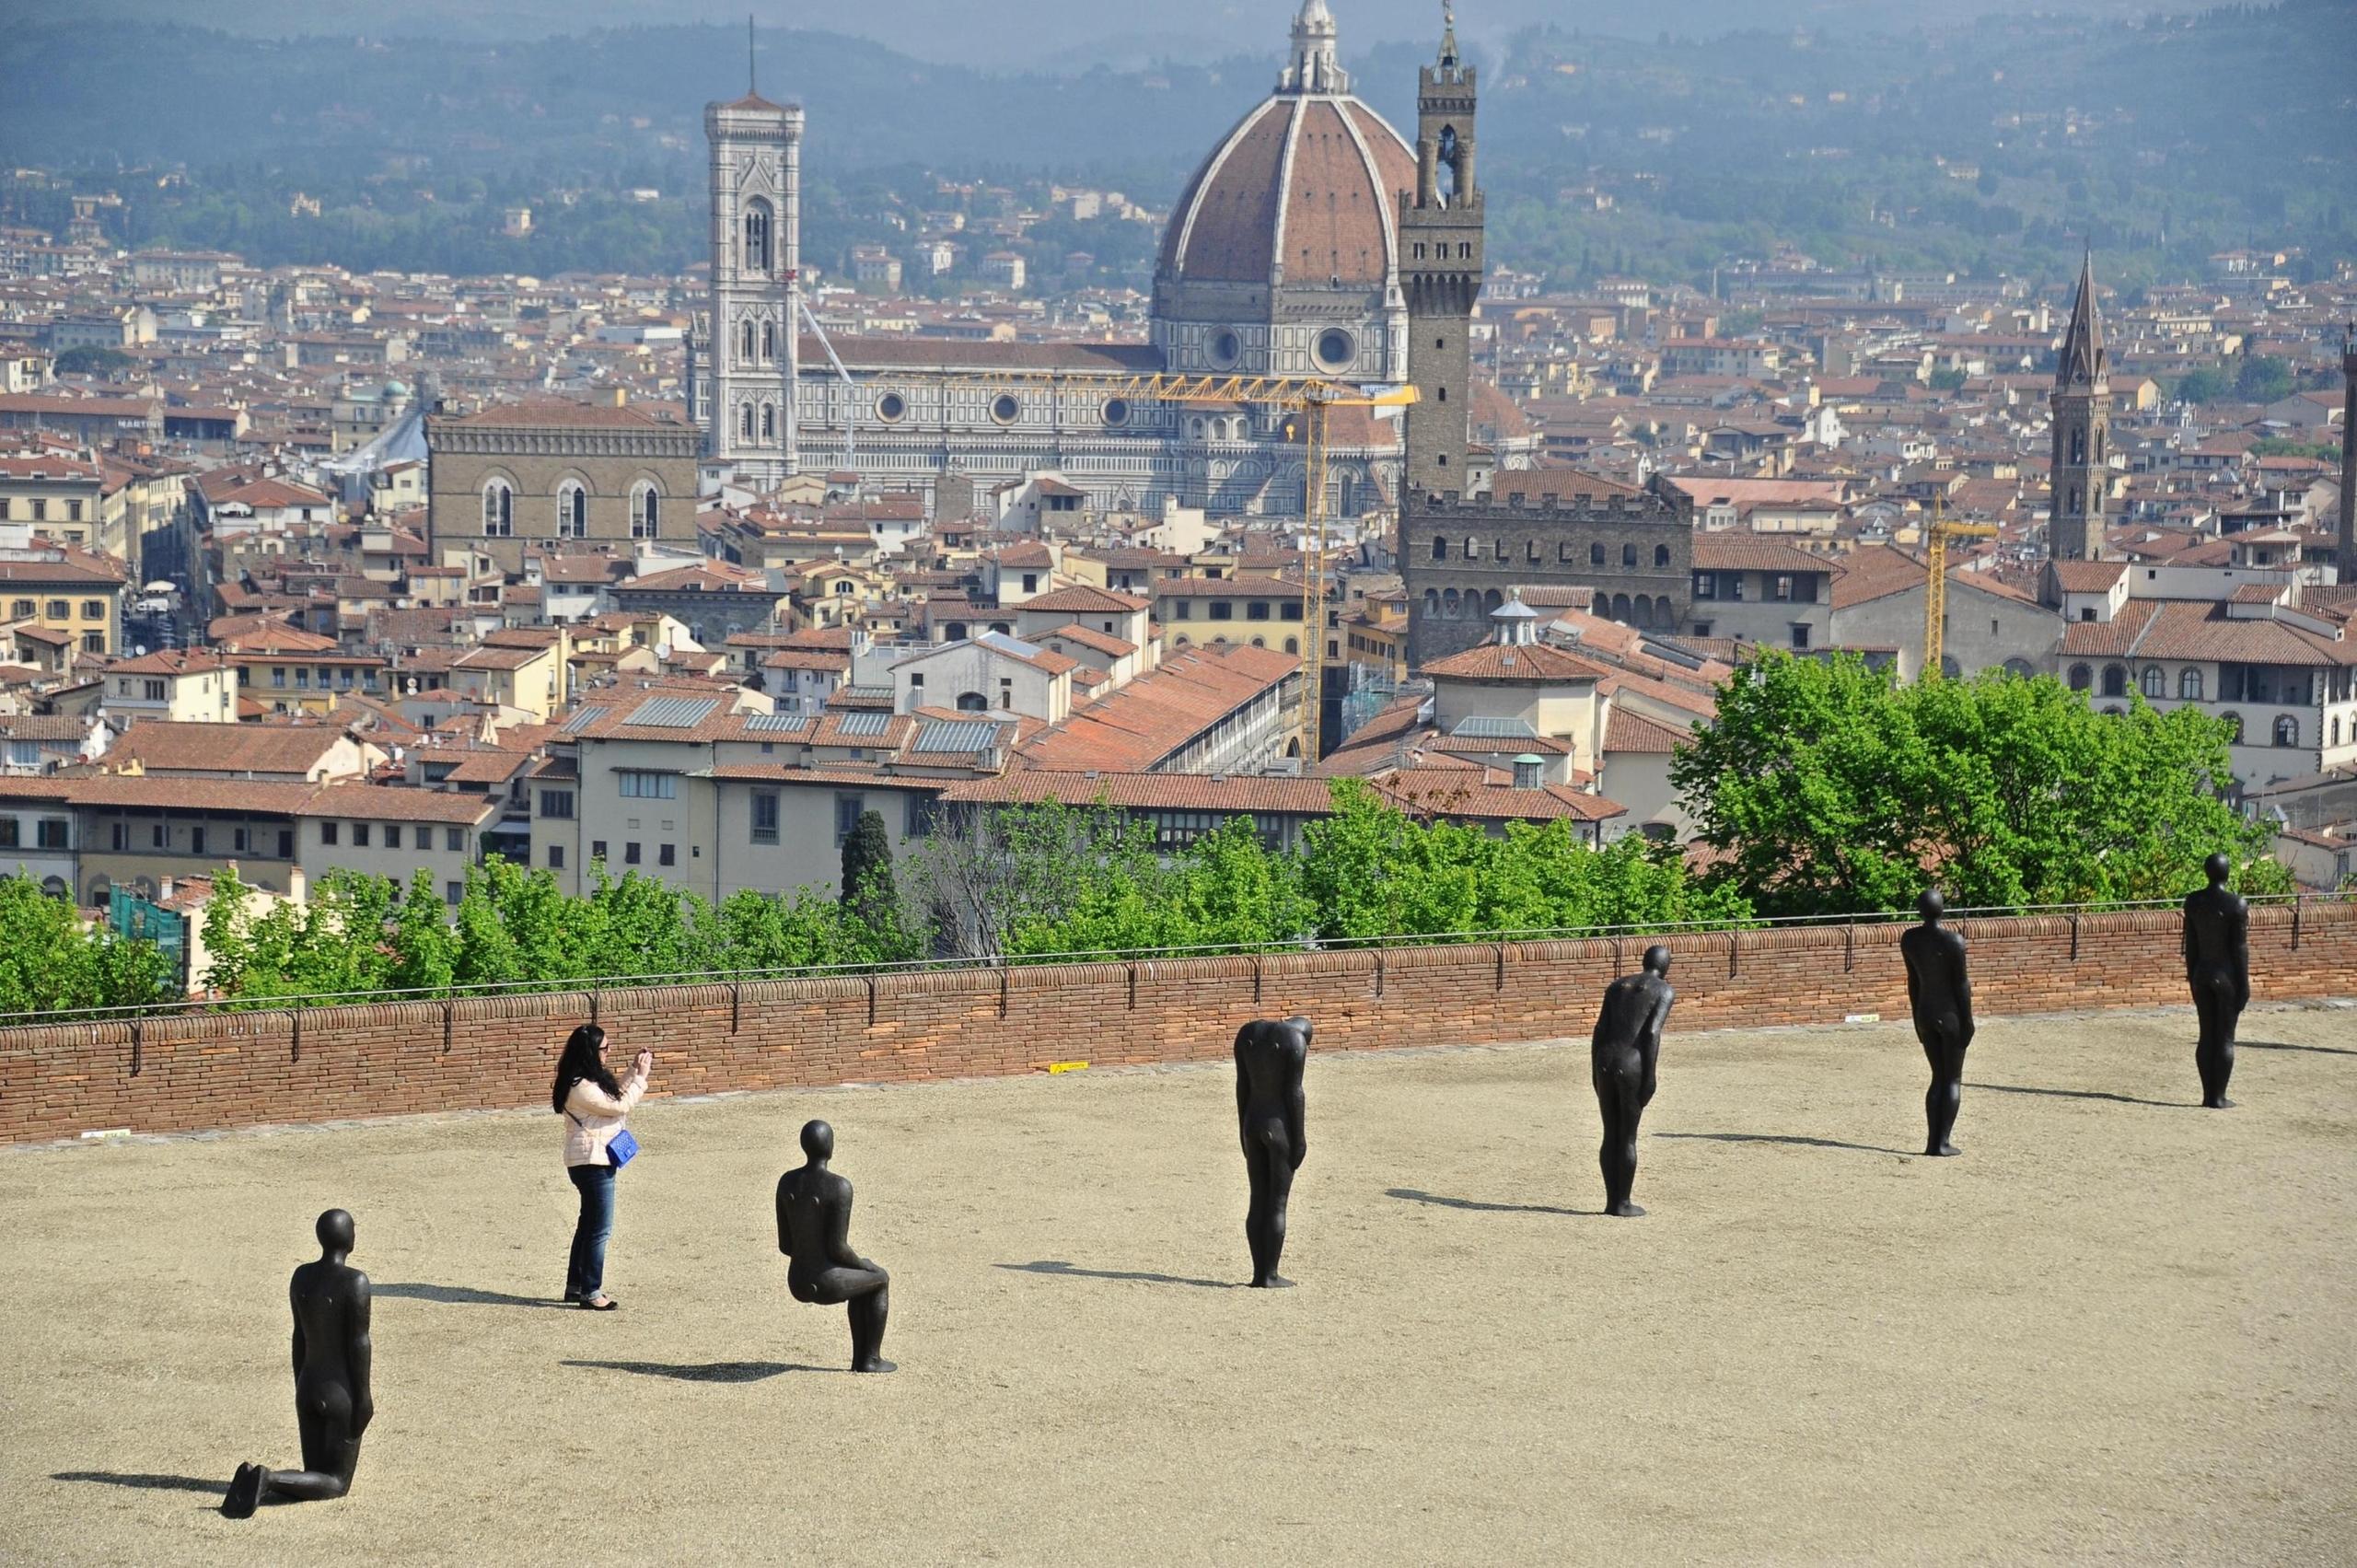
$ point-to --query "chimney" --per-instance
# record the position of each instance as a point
(297, 885)
(1527, 770)
(622, 397)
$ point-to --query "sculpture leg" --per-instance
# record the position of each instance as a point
(331, 1453)
(2213, 1056)
(1618, 1101)
(868, 1315)
(1270, 1165)
(1946, 1097)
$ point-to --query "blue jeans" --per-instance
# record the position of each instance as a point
(585, 1274)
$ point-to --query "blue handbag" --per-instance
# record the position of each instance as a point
(622, 1148)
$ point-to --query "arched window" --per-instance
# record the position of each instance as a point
(1620, 609)
(1661, 555)
(2115, 680)
(646, 511)
(2157, 681)
(2287, 730)
(1530, 550)
(769, 420)
(1292, 645)
(1629, 555)
(973, 703)
(2020, 669)
(1450, 606)
(2233, 727)
(1432, 602)
(1595, 554)
(2078, 446)
(745, 342)
(2188, 686)
(1950, 668)
(1440, 548)
(498, 509)
(572, 511)
(1641, 611)
(2336, 740)
(769, 342)
(2082, 677)
(757, 237)
(1492, 600)
(745, 421)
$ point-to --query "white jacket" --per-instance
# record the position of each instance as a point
(593, 1117)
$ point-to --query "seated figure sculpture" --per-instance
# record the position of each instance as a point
(1939, 994)
(1624, 1053)
(1270, 1058)
(813, 1232)
(2217, 966)
(332, 1403)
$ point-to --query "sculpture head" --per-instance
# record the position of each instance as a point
(334, 1231)
(817, 1141)
(2217, 868)
(1931, 906)
(1657, 961)
(1300, 1023)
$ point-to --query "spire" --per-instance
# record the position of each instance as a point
(2083, 361)
(752, 78)
(1447, 32)
(1314, 67)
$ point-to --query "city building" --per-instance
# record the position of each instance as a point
(551, 476)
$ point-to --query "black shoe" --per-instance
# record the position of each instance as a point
(600, 1302)
(245, 1493)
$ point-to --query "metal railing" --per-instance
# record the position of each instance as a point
(2297, 902)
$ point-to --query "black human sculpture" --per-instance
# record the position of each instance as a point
(1939, 993)
(2217, 965)
(1269, 1108)
(1624, 1052)
(813, 1232)
(332, 1403)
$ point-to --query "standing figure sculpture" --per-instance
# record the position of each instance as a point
(1269, 1108)
(2217, 965)
(1623, 1054)
(1939, 993)
(813, 1232)
(332, 1403)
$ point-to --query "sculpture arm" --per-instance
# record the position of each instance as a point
(839, 1250)
(299, 1347)
(2238, 943)
(1963, 988)
(785, 1197)
(1243, 1088)
(1649, 1046)
(359, 1352)
(2186, 942)
(1297, 1119)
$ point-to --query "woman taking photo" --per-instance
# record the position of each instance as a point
(592, 1107)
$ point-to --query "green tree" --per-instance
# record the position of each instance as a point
(425, 943)
(2204, 386)
(49, 963)
(2263, 379)
(1948, 378)
(1831, 789)
(93, 360)
(867, 894)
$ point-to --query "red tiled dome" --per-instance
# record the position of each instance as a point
(1305, 182)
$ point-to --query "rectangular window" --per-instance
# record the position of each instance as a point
(360, 835)
(1223, 610)
(647, 786)
(847, 812)
(452, 892)
(1800, 635)
(155, 692)
(94, 609)
(765, 816)
(667, 854)
(1289, 611)
(1257, 610)
(59, 610)
(597, 849)
(240, 841)
(1782, 589)
(327, 832)
(196, 840)
(1735, 587)
(1706, 584)
(10, 833)
(73, 511)
(303, 677)
(393, 835)
(278, 676)
(630, 853)
(21, 608)
(158, 836)
(285, 844)
(118, 836)
(24, 753)
(54, 832)
(556, 857)
(1185, 608)
(454, 840)
(921, 811)
(557, 803)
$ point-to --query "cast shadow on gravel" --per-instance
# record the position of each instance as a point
(2085, 1093)
(1413, 1196)
(706, 1371)
(1794, 1139)
(2278, 1045)
(1053, 1266)
(215, 1488)
(463, 1296)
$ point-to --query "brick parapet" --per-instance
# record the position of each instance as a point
(230, 1069)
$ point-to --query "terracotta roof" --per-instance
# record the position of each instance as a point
(1096, 641)
(1742, 552)
(1315, 176)
(2087, 576)
(1524, 661)
(1163, 792)
(1628, 731)
(173, 661)
(1156, 715)
(1081, 598)
(377, 802)
(1483, 795)
(165, 746)
(1877, 571)
(1560, 484)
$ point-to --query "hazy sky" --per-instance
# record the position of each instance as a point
(1058, 34)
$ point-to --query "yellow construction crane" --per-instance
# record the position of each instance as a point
(1936, 534)
(1314, 398)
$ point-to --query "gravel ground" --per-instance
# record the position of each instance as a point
(2118, 1327)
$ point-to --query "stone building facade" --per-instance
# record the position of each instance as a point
(551, 476)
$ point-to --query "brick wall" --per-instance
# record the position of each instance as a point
(232, 1069)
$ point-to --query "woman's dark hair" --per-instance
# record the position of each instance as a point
(579, 1062)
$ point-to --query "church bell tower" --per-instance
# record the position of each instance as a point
(2082, 405)
(750, 353)
(1441, 266)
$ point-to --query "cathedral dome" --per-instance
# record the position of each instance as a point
(1291, 218)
